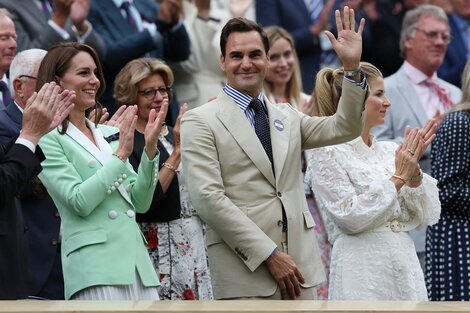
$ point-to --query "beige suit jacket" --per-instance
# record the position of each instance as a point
(233, 188)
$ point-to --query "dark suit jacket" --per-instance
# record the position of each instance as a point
(123, 45)
(41, 220)
(166, 206)
(456, 56)
(10, 123)
(34, 31)
(17, 166)
(293, 15)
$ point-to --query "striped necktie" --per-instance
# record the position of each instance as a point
(315, 7)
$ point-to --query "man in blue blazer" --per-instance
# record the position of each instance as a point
(159, 34)
(18, 165)
(41, 218)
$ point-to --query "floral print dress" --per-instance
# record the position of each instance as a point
(178, 250)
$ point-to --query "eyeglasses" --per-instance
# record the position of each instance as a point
(27, 76)
(434, 35)
(152, 92)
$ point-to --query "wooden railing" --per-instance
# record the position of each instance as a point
(29, 306)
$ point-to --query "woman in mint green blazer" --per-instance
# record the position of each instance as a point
(95, 188)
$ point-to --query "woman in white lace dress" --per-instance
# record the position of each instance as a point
(372, 194)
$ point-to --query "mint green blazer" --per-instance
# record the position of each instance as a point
(97, 196)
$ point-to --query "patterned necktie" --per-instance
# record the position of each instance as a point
(130, 19)
(262, 127)
(6, 96)
(262, 131)
(443, 95)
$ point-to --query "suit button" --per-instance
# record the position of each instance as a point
(130, 213)
(54, 242)
(57, 214)
(279, 194)
(91, 163)
(116, 184)
(124, 176)
(112, 214)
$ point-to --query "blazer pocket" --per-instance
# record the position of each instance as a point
(308, 218)
(80, 240)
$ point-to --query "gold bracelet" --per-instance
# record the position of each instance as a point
(171, 167)
(119, 157)
(400, 178)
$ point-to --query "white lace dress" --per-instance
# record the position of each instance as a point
(361, 206)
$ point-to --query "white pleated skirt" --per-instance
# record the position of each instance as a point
(136, 291)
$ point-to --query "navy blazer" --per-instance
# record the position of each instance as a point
(41, 220)
(456, 56)
(10, 123)
(293, 15)
(17, 166)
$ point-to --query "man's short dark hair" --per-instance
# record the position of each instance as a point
(242, 25)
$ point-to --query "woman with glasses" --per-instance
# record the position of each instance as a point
(174, 232)
(95, 189)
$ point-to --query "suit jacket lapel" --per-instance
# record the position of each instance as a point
(411, 97)
(279, 129)
(238, 126)
(15, 115)
(102, 152)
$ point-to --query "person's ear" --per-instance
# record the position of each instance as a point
(17, 86)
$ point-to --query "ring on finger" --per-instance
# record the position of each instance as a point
(411, 152)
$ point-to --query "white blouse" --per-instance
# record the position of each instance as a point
(367, 220)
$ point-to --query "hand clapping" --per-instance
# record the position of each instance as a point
(153, 128)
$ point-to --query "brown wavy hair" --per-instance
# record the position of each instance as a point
(57, 62)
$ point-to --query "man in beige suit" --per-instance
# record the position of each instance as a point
(241, 157)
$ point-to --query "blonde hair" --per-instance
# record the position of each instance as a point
(125, 85)
(294, 86)
(328, 87)
(464, 104)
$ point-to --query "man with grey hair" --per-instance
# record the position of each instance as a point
(7, 52)
(39, 212)
(415, 91)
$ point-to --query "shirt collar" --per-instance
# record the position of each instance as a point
(415, 75)
(241, 99)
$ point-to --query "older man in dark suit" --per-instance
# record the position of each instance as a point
(19, 163)
(40, 214)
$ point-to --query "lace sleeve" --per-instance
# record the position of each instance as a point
(354, 202)
(423, 201)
